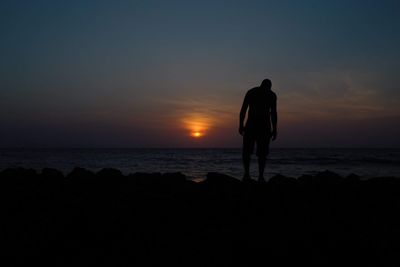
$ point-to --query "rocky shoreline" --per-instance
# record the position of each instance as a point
(143, 219)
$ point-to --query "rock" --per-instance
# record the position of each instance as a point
(352, 178)
(109, 173)
(282, 180)
(52, 173)
(328, 177)
(145, 178)
(174, 178)
(80, 173)
(216, 178)
(22, 173)
(219, 185)
(306, 179)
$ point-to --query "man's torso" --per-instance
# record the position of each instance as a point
(259, 115)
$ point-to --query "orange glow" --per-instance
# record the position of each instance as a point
(197, 125)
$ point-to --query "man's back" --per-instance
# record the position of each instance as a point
(261, 102)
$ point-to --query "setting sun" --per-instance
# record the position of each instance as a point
(197, 134)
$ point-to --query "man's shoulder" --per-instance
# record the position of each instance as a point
(252, 90)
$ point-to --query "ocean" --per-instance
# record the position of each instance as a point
(196, 163)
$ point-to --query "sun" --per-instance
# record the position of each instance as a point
(196, 134)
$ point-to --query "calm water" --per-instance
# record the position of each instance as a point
(195, 163)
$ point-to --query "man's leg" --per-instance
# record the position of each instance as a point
(248, 147)
(262, 152)
(261, 167)
(246, 165)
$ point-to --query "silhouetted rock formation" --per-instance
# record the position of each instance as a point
(107, 218)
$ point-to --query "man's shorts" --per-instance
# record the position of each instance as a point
(251, 138)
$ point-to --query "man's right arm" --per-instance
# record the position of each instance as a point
(243, 111)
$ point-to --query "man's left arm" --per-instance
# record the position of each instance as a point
(274, 118)
(242, 115)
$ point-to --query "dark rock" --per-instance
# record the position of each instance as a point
(352, 178)
(79, 173)
(328, 175)
(216, 178)
(52, 173)
(221, 185)
(109, 173)
(282, 180)
(160, 219)
(18, 173)
(176, 178)
(306, 179)
(146, 178)
(328, 178)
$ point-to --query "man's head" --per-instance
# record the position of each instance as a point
(266, 84)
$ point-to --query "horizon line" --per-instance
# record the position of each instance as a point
(183, 148)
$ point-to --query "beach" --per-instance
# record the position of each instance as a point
(152, 219)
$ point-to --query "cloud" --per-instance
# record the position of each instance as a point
(349, 94)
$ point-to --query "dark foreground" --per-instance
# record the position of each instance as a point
(109, 219)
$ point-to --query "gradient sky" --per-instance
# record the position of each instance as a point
(150, 73)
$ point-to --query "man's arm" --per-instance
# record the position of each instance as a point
(243, 111)
(274, 118)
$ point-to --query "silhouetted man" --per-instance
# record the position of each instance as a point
(260, 125)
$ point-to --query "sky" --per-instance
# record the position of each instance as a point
(157, 73)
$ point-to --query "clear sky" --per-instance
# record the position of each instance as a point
(156, 73)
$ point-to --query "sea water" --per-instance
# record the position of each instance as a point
(196, 163)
